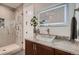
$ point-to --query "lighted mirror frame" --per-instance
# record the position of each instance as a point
(64, 23)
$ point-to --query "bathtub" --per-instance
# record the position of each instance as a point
(10, 49)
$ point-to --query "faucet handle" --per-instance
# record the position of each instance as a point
(48, 30)
(38, 31)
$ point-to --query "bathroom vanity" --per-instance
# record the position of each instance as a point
(47, 44)
(35, 47)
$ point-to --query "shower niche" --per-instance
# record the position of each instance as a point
(1, 22)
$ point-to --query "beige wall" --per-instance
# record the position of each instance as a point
(7, 34)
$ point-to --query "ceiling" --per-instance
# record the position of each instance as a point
(12, 5)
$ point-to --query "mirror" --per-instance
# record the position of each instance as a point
(56, 16)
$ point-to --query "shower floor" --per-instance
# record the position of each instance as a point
(22, 52)
(10, 49)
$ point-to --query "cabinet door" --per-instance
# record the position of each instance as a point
(59, 52)
(44, 50)
(29, 48)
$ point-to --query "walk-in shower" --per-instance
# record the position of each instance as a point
(10, 29)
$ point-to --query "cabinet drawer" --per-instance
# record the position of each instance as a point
(59, 52)
(44, 50)
(29, 48)
(32, 48)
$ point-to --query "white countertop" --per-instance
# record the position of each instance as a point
(60, 44)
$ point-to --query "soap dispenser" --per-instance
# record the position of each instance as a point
(74, 27)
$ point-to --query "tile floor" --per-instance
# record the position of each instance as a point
(20, 53)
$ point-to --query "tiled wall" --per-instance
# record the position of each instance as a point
(19, 25)
(28, 14)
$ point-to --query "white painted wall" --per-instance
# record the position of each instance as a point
(7, 34)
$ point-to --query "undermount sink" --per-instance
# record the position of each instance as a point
(46, 38)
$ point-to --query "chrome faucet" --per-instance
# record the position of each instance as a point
(38, 31)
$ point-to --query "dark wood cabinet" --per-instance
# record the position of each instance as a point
(29, 48)
(59, 52)
(44, 50)
(32, 48)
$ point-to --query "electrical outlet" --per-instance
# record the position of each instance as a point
(22, 42)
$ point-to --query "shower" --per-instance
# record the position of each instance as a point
(10, 37)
